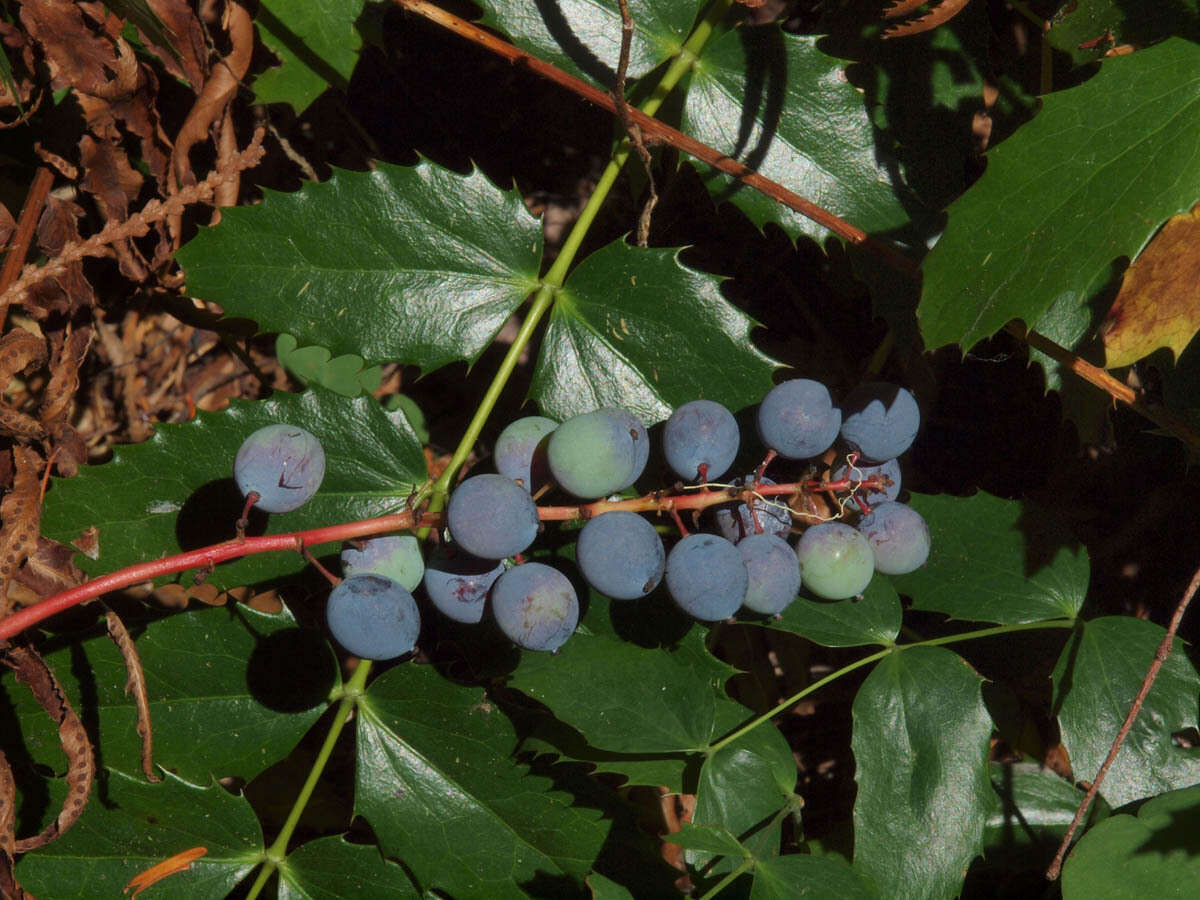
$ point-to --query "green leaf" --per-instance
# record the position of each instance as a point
(711, 839)
(606, 889)
(417, 265)
(1088, 181)
(995, 560)
(231, 691)
(637, 700)
(332, 868)
(176, 491)
(344, 375)
(1086, 31)
(875, 619)
(139, 13)
(317, 44)
(742, 788)
(436, 780)
(780, 106)
(796, 875)
(920, 750)
(1123, 855)
(1036, 807)
(636, 328)
(1096, 678)
(131, 825)
(583, 37)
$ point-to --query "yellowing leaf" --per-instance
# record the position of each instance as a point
(1159, 301)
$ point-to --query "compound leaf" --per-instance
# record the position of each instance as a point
(332, 868)
(134, 826)
(176, 491)
(583, 37)
(417, 265)
(996, 560)
(1097, 676)
(639, 700)
(317, 44)
(436, 780)
(920, 746)
(1088, 181)
(780, 106)
(743, 785)
(1122, 855)
(800, 876)
(231, 691)
(636, 328)
(874, 619)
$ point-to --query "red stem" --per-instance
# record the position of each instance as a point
(206, 558)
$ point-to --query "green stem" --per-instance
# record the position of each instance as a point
(875, 657)
(737, 873)
(277, 852)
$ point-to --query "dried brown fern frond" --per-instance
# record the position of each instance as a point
(939, 15)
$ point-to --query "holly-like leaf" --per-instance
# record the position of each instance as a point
(995, 560)
(743, 786)
(800, 876)
(1036, 806)
(133, 826)
(920, 750)
(417, 265)
(1156, 306)
(231, 691)
(344, 375)
(875, 619)
(711, 839)
(317, 44)
(436, 780)
(583, 37)
(176, 491)
(636, 328)
(638, 700)
(780, 106)
(1122, 855)
(332, 868)
(1086, 182)
(1086, 31)
(1096, 678)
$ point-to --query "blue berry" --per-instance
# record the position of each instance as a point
(836, 561)
(492, 517)
(593, 455)
(394, 556)
(881, 420)
(774, 573)
(520, 451)
(283, 464)
(859, 474)
(536, 606)
(700, 440)
(797, 419)
(373, 617)
(735, 520)
(457, 583)
(641, 441)
(898, 537)
(621, 555)
(706, 577)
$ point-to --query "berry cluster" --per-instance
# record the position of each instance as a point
(854, 524)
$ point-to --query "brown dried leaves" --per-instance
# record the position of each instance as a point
(135, 685)
(30, 669)
(939, 15)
